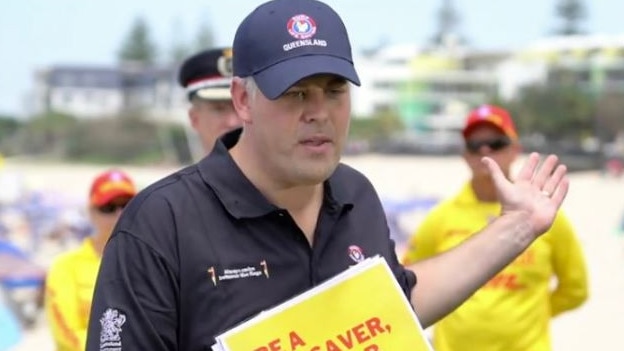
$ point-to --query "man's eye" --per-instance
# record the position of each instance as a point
(297, 94)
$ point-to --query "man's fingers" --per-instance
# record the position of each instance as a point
(545, 171)
(553, 181)
(560, 193)
(528, 168)
(497, 174)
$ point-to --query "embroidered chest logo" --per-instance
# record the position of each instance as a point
(262, 269)
(356, 254)
(111, 322)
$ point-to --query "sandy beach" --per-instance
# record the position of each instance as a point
(594, 204)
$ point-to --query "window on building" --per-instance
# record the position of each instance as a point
(67, 79)
(87, 95)
(68, 97)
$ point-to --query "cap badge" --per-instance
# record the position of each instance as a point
(484, 112)
(224, 63)
(301, 27)
(115, 177)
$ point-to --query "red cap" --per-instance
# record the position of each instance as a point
(110, 185)
(492, 115)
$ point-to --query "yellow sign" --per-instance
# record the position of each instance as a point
(361, 309)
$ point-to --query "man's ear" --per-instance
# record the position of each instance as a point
(192, 113)
(241, 99)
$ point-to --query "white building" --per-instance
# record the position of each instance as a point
(381, 73)
(414, 81)
(427, 88)
(100, 91)
(597, 60)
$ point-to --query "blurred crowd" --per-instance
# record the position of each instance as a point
(35, 225)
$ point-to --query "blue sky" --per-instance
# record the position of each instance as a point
(38, 33)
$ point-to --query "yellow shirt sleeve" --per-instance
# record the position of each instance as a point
(569, 267)
(62, 307)
(423, 243)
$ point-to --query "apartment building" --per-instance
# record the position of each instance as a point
(87, 91)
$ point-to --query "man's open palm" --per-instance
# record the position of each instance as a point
(537, 192)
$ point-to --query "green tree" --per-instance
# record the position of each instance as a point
(117, 139)
(45, 134)
(571, 14)
(378, 127)
(448, 20)
(609, 114)
(205, 37)
(179, 48)
(556, 111)
(178, 53)
(138, 45)
(9, 126)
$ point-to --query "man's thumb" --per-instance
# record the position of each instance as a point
(495, 171)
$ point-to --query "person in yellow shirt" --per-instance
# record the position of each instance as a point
(71, 278)
(513, 310)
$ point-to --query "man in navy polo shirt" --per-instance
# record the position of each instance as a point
(271, 212)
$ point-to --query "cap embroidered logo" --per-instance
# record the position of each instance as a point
(116, 176)
(484, 111)
(224, 63)
(301, 27)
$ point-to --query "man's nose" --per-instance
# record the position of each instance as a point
(317, 107)
(485, 150)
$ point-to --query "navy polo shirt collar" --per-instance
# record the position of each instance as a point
(238, 195)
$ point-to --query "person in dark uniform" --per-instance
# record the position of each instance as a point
(206, 78)
(273, 201)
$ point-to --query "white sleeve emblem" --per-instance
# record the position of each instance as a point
(111, 322)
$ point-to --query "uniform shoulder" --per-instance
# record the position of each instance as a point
(350, 176)
(350, 184)
(169, 188)
(153, 215)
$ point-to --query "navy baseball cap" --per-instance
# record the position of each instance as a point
(284, 41)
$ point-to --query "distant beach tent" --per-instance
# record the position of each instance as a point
(410, 211)
(17, 272)
(393, 205)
